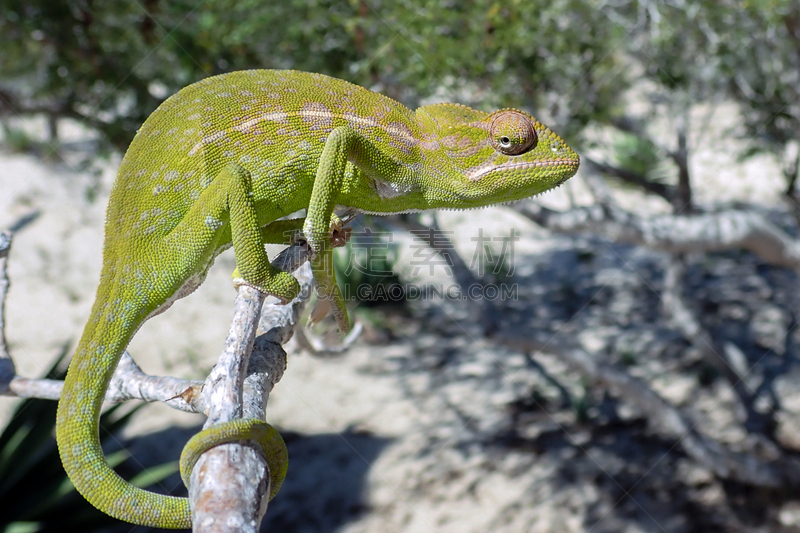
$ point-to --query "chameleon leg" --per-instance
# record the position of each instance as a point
(342, 144)
(230, 196)
(251, 259)
(286, 231)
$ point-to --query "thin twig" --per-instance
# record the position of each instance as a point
(7, 370)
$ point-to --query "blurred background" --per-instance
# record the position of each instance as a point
(639, 370)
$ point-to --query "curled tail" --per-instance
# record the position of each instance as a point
(104, 339)
(113, 322)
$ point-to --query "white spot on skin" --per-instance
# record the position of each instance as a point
(213, 223)
(388, 190)
(354, 119)
(171, 175)
(207, 140)
(429, 144)
(320, 117)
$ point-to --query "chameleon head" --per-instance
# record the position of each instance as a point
(503, 156)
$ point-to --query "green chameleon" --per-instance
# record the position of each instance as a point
(217, 165)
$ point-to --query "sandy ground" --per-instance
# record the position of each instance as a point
(364, 456)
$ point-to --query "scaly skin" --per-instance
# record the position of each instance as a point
(215, 166)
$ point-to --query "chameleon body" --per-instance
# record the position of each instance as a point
(215, 166)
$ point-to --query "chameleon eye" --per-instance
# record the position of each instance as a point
(512, 133)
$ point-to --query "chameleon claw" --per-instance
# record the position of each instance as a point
(340, 236)
(340, 233)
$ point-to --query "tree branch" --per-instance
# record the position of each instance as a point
(711, 232)
(230, 483)
(664, 191)
(7, 370)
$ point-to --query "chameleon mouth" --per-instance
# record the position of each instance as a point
(570, 167)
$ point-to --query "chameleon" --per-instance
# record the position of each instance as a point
(222, 163)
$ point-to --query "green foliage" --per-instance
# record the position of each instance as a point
(638, 154)
(37, 496)
(748, 50)
(16, 139)
(628, 358)
(109, 64)
(364, 270)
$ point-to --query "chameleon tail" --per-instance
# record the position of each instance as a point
(105, 337)
(113, 322)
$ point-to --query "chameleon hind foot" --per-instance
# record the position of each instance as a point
(288, 232)
(279, 284)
